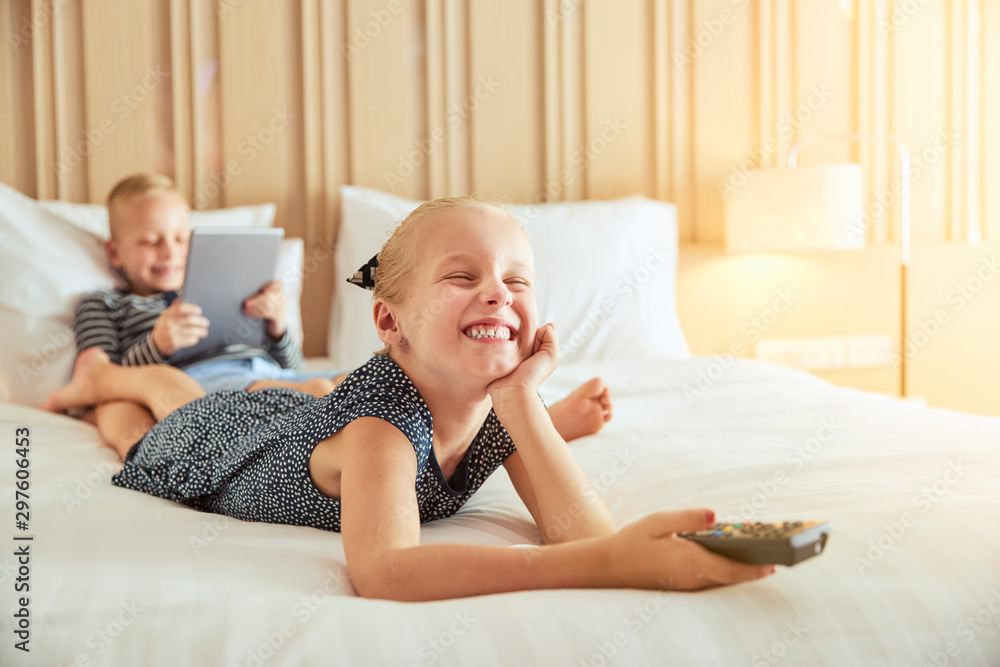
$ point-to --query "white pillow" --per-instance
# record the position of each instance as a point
(605, 273)
(94, 217)
(47, 264)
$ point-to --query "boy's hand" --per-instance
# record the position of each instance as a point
(270, 304)
(180, 325)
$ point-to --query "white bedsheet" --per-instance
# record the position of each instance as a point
(911, 575)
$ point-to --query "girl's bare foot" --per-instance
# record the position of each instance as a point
(583, 412)
(318, 387)
(80, 390)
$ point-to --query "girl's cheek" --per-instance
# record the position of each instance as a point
(528, 312)
(528, 333)
(432, 306)
(451, 293)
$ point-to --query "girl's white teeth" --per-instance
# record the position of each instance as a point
(488, 332)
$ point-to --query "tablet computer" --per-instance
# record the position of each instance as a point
(225, 266)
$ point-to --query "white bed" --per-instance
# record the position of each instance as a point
(911, 574)
(170, 586)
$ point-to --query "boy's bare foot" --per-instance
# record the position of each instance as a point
(583, 412)
(80, 390)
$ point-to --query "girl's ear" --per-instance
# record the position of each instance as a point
(385, 323)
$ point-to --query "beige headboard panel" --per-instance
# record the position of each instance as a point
(245, 101)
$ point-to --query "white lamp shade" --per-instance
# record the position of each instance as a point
(816, 207)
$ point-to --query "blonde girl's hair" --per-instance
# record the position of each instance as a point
(131, 188)
(399, 256)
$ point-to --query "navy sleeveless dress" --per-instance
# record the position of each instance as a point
(246, 454)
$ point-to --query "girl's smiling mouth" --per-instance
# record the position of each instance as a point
(491, 330)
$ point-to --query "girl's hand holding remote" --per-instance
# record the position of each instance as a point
(649, 554)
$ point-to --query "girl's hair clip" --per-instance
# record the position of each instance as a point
(365, 276)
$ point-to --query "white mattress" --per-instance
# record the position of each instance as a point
(120, 578)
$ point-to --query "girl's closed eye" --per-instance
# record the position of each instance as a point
(518, 281)
(460, 277)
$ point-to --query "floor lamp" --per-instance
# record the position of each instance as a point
(816, 207)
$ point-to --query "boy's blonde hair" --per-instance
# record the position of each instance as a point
(398, 257)
(131, 188)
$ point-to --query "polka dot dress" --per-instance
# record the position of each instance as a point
(246, 454)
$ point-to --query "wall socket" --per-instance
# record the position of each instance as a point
(868, 351)
(826, 353)
(784, 352)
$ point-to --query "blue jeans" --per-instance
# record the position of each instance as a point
(239, 374)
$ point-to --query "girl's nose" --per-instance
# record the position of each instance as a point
(498, 294)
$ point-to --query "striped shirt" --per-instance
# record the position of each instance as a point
(121, 324)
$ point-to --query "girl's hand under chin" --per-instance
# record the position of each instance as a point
(532, 371)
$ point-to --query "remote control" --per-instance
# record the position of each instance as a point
(781, 543)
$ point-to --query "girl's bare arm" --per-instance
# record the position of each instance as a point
(548, 479)
(381, 531)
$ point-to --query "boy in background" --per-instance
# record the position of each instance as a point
(145, 323)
